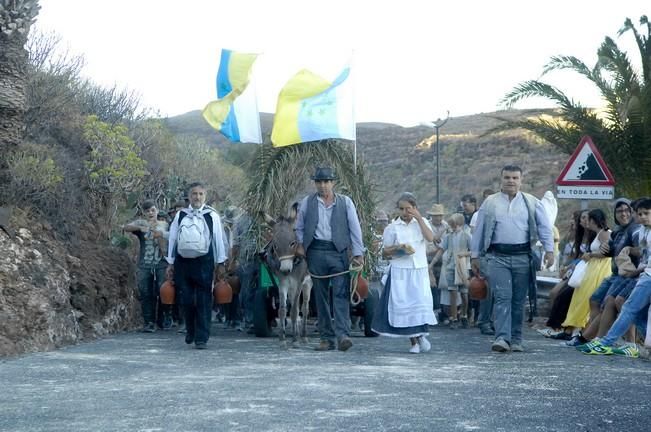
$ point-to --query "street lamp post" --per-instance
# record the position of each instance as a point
(438, 124)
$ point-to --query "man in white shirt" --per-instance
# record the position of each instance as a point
(194, 269)
(508, 225)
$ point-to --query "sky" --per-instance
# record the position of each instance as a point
(413, 61)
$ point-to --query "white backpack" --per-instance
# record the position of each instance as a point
(194, 234)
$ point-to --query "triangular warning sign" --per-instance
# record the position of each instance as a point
(586, 167)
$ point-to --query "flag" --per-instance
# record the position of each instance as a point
(235, 113)
(310, 108)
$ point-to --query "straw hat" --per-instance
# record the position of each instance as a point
(436, 210)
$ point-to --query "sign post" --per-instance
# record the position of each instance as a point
(586, 176)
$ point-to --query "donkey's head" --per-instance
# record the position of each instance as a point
(283, 242)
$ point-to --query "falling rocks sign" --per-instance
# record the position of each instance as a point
(586, 175)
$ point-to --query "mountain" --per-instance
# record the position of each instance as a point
(403, 159)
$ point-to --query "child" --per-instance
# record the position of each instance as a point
(637, 302)
(151, 234)
(457, 247)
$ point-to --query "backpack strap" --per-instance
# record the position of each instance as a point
(209, 221)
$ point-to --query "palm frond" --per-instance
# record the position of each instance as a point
(643, 43)
(534, 88)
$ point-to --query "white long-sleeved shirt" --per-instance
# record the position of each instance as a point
(219, 251)
(512, 224)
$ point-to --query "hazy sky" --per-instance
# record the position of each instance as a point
(413, 60)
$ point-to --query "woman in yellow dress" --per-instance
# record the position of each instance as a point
(597, 269)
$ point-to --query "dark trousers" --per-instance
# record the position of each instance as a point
(324, 261)
(194, 277)
(436, 291)
(248, 274)
(149, 282)
(560, 307)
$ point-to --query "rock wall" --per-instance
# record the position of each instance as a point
(50, 297)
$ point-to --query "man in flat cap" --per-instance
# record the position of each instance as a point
(327, 229)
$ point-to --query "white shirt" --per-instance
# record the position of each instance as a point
(512, 220)
(400, 232)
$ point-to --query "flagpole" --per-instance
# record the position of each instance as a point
(352, 72)
(355, 156)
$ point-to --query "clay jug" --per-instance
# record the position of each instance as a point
(234, 281)
(222, 292)
(167, 293)
(362, 286)
(477, 288)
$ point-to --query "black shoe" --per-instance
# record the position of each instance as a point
(200, 346)
(486, 330)
(325, 345)
(150, 327)
(464, 323)
(189, 338)
(345, 344)
(562, 336)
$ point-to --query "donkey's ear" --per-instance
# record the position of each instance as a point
(293, 212)
(268, 219)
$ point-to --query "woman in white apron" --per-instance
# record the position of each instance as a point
(405, 308)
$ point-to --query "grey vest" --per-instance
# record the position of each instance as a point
(490, 221)
(338, 222)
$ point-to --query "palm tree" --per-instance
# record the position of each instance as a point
(16, 17)
(622, 131)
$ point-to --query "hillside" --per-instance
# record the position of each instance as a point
(403, 159)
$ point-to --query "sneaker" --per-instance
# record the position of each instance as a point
(464, 323)
(562, 336)
(586, 347)
(627, 351)
(325, 345)
(189, 338)
(454, 324)
(547, 332)
(516, 347)
(150, 327)
(415, 349)
(575, 341)
(181, 328)
(345, 344)
(597, 348)
(200, 346)
(424, 344)
(500, 345)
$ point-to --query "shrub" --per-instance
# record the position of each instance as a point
(35, 176)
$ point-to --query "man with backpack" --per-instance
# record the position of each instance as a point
(196, 256)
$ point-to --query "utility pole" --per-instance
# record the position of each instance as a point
(438, 124)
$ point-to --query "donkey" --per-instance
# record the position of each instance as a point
(291, 271)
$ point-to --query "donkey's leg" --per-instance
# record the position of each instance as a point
(294, 317)
(306, 288)
(282, 314)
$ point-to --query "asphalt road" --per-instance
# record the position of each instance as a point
(154, 382)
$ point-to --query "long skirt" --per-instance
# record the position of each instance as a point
(579, 312)
(389, 319)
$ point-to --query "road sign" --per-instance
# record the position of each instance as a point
(586, 175)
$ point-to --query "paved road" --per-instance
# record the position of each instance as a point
(154, 382)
